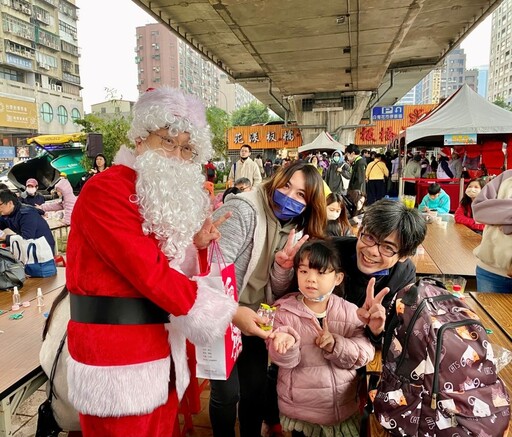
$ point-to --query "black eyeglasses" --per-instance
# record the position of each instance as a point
(384, 248)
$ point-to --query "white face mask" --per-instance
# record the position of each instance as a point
(333, 215)
(31, 190)
(472, 192)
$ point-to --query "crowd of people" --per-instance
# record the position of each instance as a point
(139, 252)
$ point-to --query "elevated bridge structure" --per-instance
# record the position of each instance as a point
(323, 63)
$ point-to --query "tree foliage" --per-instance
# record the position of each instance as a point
(218, 119)
(113, 130)
(249, 114)
(502, 104)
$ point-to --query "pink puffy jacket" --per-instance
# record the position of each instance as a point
(313, 385)
(67, 202)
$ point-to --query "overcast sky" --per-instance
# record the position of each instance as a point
(106, 36)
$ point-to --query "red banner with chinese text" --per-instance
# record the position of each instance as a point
(381, 132)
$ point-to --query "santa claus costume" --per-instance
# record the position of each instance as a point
(129, 260)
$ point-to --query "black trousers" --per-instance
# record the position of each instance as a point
(375, 190)
(245, 387)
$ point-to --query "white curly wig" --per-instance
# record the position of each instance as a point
(172, 109)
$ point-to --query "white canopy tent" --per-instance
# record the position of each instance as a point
(464, 112)
(324, 141)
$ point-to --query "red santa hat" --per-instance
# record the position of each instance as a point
(446, 151)
(172, 109)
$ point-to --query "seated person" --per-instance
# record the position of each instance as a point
(24, 220)
(464, 213)
(435, 200)
(67, 200)
(243, 184)
(30, 196)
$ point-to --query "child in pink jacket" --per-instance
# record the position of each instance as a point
(318, 344)
(67, 200)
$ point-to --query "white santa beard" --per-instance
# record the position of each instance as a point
(172, 201)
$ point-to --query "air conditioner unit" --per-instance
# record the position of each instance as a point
(59, 88)
(38, 85)
(45, 66)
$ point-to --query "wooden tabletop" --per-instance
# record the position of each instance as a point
(498, 307)
(29, 289)
(451, 248)
(20, 343)
(424, 263)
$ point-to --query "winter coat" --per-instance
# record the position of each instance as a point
(441, 203)
(358, 178)
(26, 221)
(28, 199)
(443, 169)
(313, 385)
(67, 202)
(464, 216)
(334, 174)
(493, 206)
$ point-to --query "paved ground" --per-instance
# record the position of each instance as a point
(24, 423)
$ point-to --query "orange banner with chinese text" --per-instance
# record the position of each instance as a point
(383, 131)
(265, 137)
(18, 113)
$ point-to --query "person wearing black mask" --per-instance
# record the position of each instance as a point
(245, 167)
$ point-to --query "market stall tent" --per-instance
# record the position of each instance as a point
(324, 141)
(464, 112)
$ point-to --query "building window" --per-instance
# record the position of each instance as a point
(9, 74)
(47, 112)
(62, 115)
(75, 114)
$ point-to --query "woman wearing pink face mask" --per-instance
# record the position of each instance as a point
(464, 213)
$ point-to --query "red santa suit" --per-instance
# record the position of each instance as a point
(120, 375)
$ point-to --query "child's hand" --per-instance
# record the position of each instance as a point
(325, 340)
(282, 342)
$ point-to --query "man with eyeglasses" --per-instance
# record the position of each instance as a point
(129, 259)
(245, 167)
(377, 259)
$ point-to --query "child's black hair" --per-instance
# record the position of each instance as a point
(322, 256)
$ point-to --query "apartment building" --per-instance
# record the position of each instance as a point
(39, 69)
(500, 62)
(164, 59)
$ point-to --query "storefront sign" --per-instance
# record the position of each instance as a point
(18, 113)
(459, 139)
(388, 112)
(264, 137)
(7, 152)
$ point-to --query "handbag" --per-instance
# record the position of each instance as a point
(12, 271)
(36, 254)
(217, 359)
(47, 426)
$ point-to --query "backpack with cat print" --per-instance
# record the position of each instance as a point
(439, 376)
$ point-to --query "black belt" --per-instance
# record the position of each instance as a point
(116, 310)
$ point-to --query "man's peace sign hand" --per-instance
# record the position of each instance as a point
(372, 313)
(285, 256)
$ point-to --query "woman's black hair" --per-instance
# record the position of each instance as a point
(95, 166)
